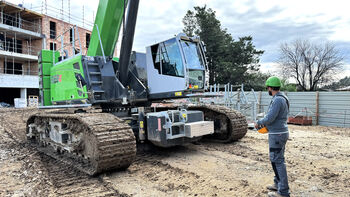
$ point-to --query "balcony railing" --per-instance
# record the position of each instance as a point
(12, 70)
(14, 21)
(18, 46)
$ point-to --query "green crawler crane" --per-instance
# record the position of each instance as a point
(108, 106)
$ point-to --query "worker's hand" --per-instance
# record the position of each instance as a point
(256, 125)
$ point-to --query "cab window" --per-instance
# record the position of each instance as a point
(167, 58)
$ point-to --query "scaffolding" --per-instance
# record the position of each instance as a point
(73, 47)
(15, 20)
(21, 30)
(20, 40)
(14, 66)
(15, 43)
(234, 97)
(64, 14)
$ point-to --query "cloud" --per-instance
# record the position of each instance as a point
(158, 21)
(270, 68)
(269, 30)
(269, 22)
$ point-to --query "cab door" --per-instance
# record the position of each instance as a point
(165, 69)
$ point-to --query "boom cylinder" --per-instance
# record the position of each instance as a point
(127, 41)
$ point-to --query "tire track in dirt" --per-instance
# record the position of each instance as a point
(240, 150)
(66, 181)
(180, 171)
(149, 176)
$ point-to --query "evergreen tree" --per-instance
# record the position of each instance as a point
(229, 61)
(342, 83)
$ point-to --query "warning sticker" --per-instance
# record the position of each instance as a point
(141, 124)
(178, 93)
(159, 124)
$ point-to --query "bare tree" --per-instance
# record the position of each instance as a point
(309, 64)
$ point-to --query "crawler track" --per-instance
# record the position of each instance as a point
(107, 143)
(230, 125)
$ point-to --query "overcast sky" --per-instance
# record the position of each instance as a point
(269, 22)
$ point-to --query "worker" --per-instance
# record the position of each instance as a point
(276, 123)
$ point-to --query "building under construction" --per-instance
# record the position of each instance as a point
(23, 33)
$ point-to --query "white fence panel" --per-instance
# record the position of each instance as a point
(334, 107)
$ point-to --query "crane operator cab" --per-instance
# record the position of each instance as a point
(175, 67)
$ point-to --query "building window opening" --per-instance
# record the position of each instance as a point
(53, 46)
(13, 68)
(11, 20)
(10, 44)
(87, 37)
(76, 51)
(2, 41)
(18, 48)
(11, 94)
(52, 30)
(71, 35)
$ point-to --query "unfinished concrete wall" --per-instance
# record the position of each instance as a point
(19, 81)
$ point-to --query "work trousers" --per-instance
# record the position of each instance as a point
(277, 143)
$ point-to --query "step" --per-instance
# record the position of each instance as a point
(96, 82)
(178, 124)
(98, 91)
(100, 101)
(175, 136)
(92, 64)
(95, 73)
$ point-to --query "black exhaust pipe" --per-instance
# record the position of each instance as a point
(127, 41)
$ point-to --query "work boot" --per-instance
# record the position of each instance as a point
(272, 187)
(275, 194)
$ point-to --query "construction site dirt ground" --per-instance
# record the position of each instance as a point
(317, 161)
